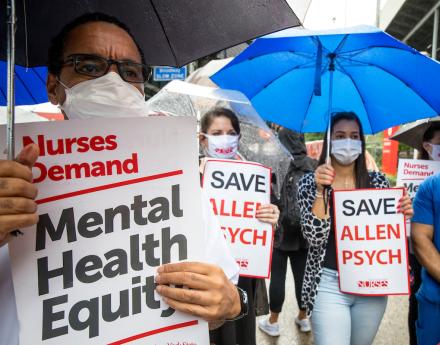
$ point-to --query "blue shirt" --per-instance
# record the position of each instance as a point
(427, 211)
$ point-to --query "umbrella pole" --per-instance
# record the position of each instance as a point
(10, 110)
(331, 69)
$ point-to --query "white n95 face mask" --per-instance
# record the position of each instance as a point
(346, 151)
(222, 146)
(435, 154)
(107, 96)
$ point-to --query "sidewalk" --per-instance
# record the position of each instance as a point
(393, 329)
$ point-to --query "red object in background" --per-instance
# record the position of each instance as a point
(389, 152)
(51, 116)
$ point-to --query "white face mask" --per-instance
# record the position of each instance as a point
(107, 96)
(346, 151)
(435, 154)
(222, 146)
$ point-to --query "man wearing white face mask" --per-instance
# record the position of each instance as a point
(106, 96)
(96, 69)
(337, 318)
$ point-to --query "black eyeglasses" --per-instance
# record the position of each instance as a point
(97, 66)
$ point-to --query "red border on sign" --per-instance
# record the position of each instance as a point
(337, 249)
(270, 192)
(154, 332)
(108, 186)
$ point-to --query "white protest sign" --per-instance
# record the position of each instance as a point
(117, 198)
(371, 245)
(412, 172)
(236, 189)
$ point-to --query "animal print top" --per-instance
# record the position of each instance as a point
(316, 232)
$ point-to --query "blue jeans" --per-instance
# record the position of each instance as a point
(344, 319)
(427, 325)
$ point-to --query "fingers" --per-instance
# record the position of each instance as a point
(192, 309)
(17, 205)
(406, 208)
(17, 193)
(324, 175)
(15, 169)
(271, 219)
(210, 295)
(268, 214)
(28, 155)
(189, 279)
(12, 222)
(11, 186)
(201, 298)
(194, 267)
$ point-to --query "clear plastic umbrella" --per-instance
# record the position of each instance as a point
(257, 142)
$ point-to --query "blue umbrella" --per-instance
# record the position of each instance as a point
(297, 77)
(30, 85)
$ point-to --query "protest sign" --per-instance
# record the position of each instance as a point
(117, 198)
(236, 189)
(412, 172)
(371, 242)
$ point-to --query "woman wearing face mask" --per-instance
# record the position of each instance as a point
(219, 138)
(338, 318)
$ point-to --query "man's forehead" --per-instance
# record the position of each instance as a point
(101, 38)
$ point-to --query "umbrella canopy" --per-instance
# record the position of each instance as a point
(257, 142)
(412, 134)
(22, 115)
(288, 76)
(30, 85)
(170, 32)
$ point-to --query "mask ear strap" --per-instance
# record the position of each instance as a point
(62, 84)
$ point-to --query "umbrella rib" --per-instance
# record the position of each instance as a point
(341, 44)
(25, 87)
(342, 69)
(396, 77)
(38, 75)
(3, 94)
(164, 32)
(359, 51)
(307, 109)
(281, 76)
(305, 55)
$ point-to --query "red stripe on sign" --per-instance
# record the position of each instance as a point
(109, 186)
(155, 331)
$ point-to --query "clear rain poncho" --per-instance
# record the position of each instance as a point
(258, 143)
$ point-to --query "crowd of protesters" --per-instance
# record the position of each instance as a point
(97, 53)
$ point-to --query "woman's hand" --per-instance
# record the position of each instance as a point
(405, 205)
(324, 176)
(268, 214)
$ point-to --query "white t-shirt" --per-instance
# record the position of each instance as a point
(217, 252)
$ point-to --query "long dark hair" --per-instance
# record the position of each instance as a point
(210, 115)
(361, 175)
(427, 136)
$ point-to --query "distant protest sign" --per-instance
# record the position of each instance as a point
(412, 172)
(236, 189)
(371, 242)
(117, 198)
